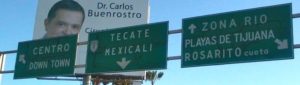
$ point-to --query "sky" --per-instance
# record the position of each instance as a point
(17, 20)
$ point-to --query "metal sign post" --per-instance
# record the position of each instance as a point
(87, 80)
(2, 62)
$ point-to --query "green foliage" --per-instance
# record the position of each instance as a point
(153, 76)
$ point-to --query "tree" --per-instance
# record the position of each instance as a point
(153, 76)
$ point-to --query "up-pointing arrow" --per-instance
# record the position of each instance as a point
(192, 27)
(281, 44)
(123, 64)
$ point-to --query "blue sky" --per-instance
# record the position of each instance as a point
(17, 20)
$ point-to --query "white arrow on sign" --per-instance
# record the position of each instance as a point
(281, 44)
(22, 58)
(192, 27)
(123, 64)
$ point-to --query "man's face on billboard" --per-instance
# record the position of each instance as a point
(65, 22)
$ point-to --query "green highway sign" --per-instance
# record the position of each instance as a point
(46, 57)
(133, 48)
(242, 36)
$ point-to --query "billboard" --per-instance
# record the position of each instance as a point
(97, 15)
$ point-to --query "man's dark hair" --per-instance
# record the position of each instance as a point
(67, 5)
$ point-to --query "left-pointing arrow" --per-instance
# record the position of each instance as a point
(123, 64)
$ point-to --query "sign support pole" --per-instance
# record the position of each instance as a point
(86, 80)
(2, 61)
